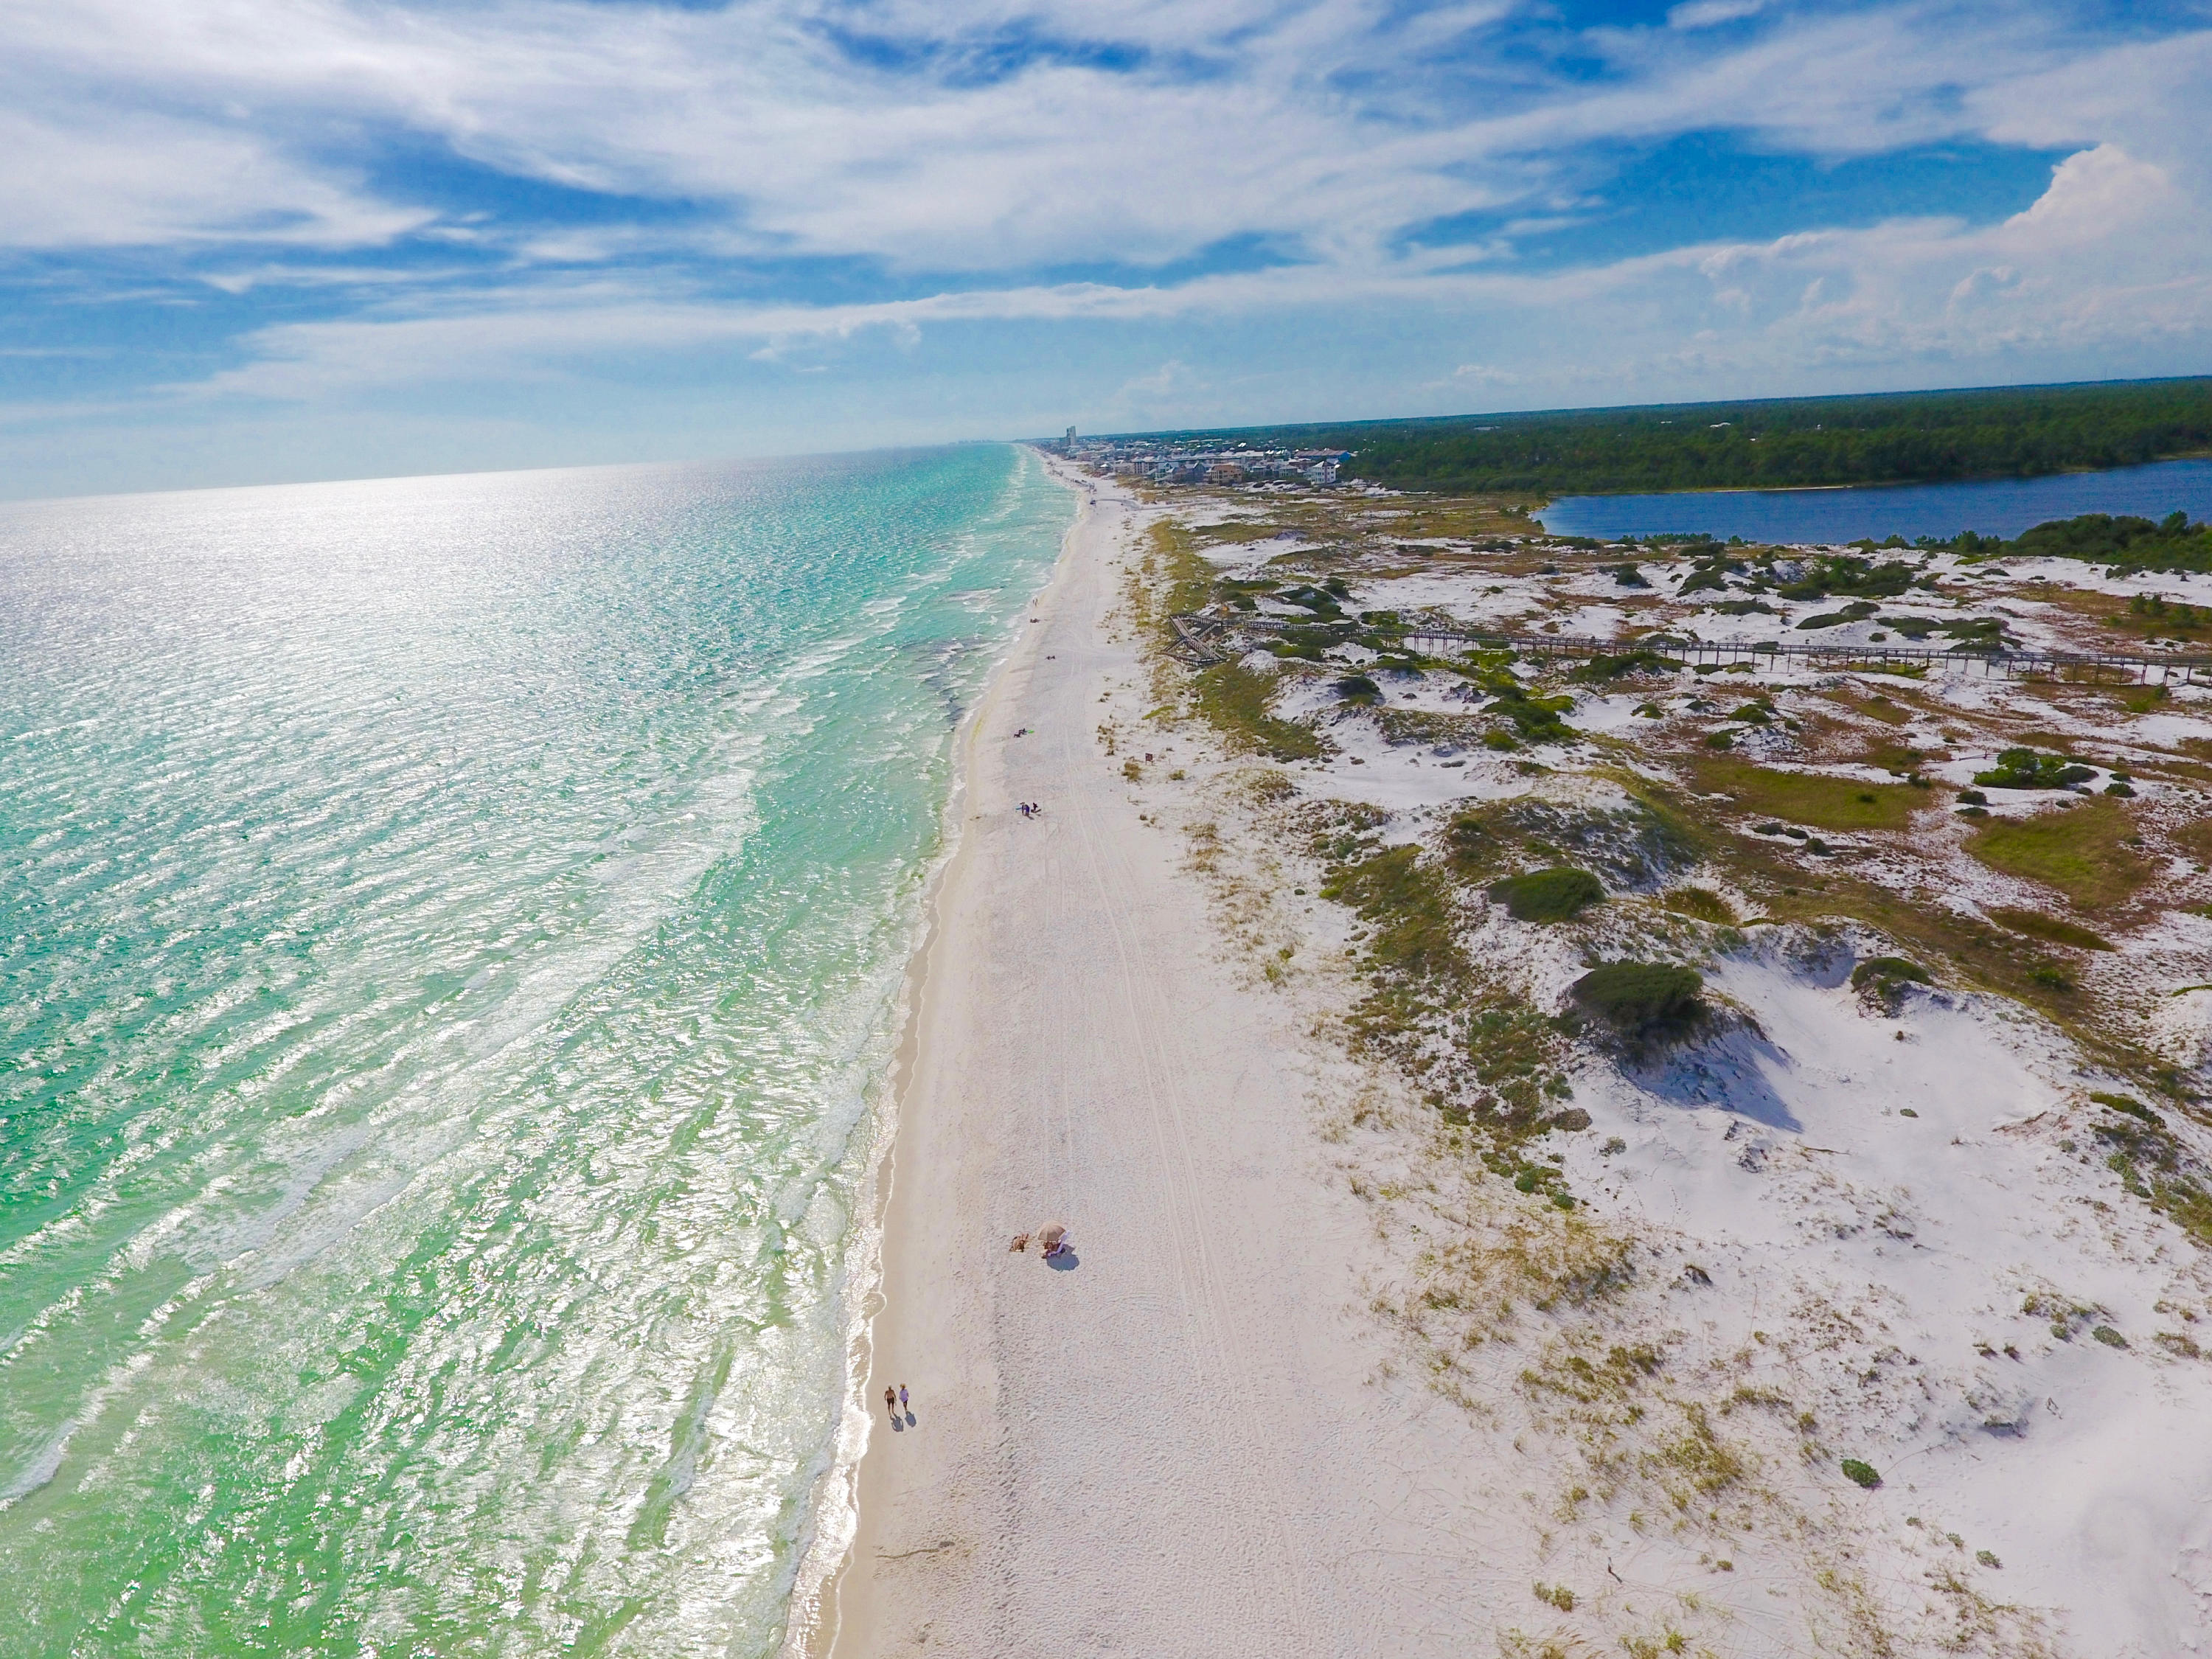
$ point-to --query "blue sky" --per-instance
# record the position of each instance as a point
(246, 240)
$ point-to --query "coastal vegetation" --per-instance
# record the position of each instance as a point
(1822, 801)
(1894, 438)
(2033, 924)
(1659, 871)
(1237, 700)
(2024, 768)
(1548, 895)
(2085, 852)
(1885, 973)
(1643, 1002)
(2125, 542)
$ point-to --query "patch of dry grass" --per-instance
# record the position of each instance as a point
(1810, 798)
(2082, 851)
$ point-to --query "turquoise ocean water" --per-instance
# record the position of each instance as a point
(451, 936)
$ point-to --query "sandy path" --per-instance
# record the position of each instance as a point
(1170, 1447)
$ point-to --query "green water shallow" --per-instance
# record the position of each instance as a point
(450, 931)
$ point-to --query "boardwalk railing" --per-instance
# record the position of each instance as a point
(1206, 637)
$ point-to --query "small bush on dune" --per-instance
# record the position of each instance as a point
(1358, 688)
(1548, 895)
(2023, 769)
(1863, 1474)
(1602, 668)
(1409, 905)
(1644, 1001)
(2131, 1106)
(1885, 972)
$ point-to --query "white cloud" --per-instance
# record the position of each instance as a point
(1331, 127)
(1704, 14)
(254, 130)
(135, 178)
(2094, 194)
(1907, 290)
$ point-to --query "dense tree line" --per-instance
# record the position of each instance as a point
(1896, 438)
(2124, 541)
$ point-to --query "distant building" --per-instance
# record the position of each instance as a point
(1070, 440)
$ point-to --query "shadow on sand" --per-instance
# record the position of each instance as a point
(1731, 1072)
(1066, 1262)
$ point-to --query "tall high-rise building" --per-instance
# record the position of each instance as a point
(1071, 438)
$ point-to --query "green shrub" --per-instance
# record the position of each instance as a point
(1601, 668)
(1850, 613)
(1548, 895)
(1885, 972)
(2133, 1107)
(1865, 1474)
(1642, 1000)
(1358, 688)
(2023, 769)
(2109, 1337)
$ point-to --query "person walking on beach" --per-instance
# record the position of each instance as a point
(903, 1404)
(890, 1401)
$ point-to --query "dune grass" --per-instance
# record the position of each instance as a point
(2035, 925)
(2082, 852)
(1174, 556)
(1234, 700)
(1885, 973)
(1408, 904)
(1808, 798)
(1701, 903)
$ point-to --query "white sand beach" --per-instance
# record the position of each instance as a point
(1168, 1446)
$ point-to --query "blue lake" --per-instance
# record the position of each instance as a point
(1994, 507)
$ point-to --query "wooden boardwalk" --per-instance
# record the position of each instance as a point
(1206, 638)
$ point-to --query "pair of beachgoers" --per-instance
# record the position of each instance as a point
(894, 1400)
(1051, 1241)
(1029, 809)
